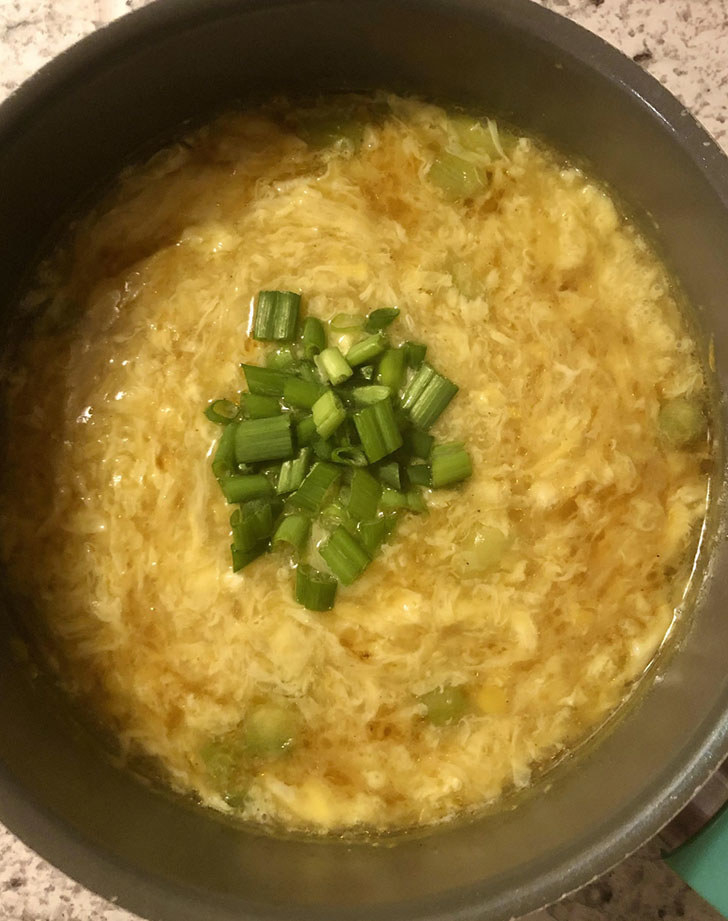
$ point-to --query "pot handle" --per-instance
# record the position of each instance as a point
(702, 861)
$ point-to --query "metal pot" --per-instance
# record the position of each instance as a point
(69, 130)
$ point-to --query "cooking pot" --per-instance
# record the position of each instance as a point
(124, 90)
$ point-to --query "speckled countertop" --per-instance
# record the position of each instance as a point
(684, 43)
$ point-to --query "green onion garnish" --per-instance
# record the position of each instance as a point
(391, 369)
(378, 431)
(243, 488)
(314, 590)
(221, 412)
(332, 364)
(302, 394)
(328, 414)
(364, 496)
(292, 472)
(263, 440)
(363, 352)
(264, 381)
(258, 407)
(276, 315)
(315, 489)
(292, 530)
(315, 437)
(427, 395)
(450, 464)
(314, 337)
(344, 556)
(381, 319)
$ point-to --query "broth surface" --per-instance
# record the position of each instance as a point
(535, 296)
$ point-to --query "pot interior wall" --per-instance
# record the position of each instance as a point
(66, 135)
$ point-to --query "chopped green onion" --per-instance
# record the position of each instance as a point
(269, 730)
(276, 315)
(242, 558)
(328, 413)
(243, 488)
(682, 421)
(390, 475)
(483, 550)
(456, 176)
(427, 395)
(419, 474)
(445, 705)
(312, 493)
(221, 412)
(258, 407)
(294, 530)
(292, 472)
(416, 501)
(415, 352)
(381, 319)
(363, 352)
(264, 381)
(305, 431)
(378, 430)
(251, 524)
(302, 394)
(350, 455)
(344, 556)
(264, 440)
(224, 461)
(281, 359)
(314, 590)
(418, 443)
(450, 464)
(393, 499)
(364, 496)
(370, 393)
(372, 534)
(314, 337)
(345, 321)
(332, 364)
(322, 448)
(391, 369)
(307, 371)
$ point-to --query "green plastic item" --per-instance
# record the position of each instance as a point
(703, 862)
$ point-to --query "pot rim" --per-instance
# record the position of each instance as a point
(146, 894)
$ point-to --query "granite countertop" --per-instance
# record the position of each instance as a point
(684, 43)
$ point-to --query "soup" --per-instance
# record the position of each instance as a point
(490, 634)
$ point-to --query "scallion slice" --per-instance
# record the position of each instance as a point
(258, 407)
(344, 556)
(292, 472)
(364, 496)
(314, 590)
(369, 394)
(264, 381)
(263, 440)
(393, 499)
(457, 177)
(222, 412)
(390, 474)
(243, 488)
(305, 431)
(314, 337)
(322, 448)
(328, 413)
(390, 372)
(302, 394)
(416, 501)
(419, 474)
(252, 523)
(378, 430)
(223, 464)
(341, 322)
(381, 319)
(276, 315)
(349, 455)
(450, 464)
(332, 364)
(415, 352)
(372, 534)
(313, 492)
(292, 530)
(367, 350)
(418, 443)
(427, 395)
(242, 558)
(281, 359)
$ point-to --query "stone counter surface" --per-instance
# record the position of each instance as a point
(684, 43)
